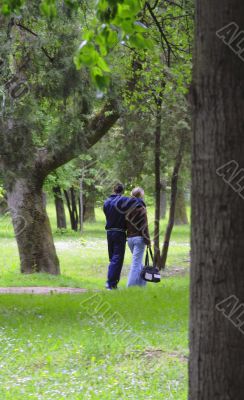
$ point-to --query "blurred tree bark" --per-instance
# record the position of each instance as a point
(180, 208)
(216, 337)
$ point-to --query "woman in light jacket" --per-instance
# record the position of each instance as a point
(138, 236)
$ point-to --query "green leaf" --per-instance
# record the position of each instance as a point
(102, 5)
(112, 38)
(135, 5)
(100, 80)
(101, 41)
(87, 56)
(137, 40)
(124, 11)
(140, 27)
(103, 65)
(126, 26)
(96, 71)
(88, 35)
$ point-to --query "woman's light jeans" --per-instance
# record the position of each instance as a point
(137, 248)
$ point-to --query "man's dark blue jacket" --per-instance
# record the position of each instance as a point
(115, 209)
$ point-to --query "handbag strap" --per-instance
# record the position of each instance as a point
(149, 252)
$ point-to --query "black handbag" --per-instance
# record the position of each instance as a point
(150, 274)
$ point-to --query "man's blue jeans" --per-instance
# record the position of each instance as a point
(116, 251)
(137, 248)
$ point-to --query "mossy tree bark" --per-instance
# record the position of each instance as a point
(32, 228)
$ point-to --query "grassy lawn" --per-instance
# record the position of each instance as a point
(130, 344)
(83, 258)
(127, 344)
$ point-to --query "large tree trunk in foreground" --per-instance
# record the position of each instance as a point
(216, 332)
(59, 206)
(32, 229)
(180, 208)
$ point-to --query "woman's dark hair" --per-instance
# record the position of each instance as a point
(119, 188)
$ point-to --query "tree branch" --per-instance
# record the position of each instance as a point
(155, 4)
(173, 3)
(36, 35)
(93, 131)
(163, 36)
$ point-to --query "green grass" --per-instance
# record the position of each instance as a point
(129, 344)
(83, 258)
(126, 344)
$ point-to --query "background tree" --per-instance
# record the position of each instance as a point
(164, 72)
(34, 142)
(60, 209)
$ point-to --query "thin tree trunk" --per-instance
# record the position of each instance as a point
(70, 197)
(32, 228)
(81, 206)
(66, 195)
(157, 167)
(60, 210)
(89, 209)
(180, 208)
(74, 209)
(174, 183)
(216, 332)
(163, 200)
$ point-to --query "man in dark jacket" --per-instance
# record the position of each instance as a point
(115, 209)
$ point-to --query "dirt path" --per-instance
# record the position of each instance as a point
(63, 290)
(40, 290)
(174, 271)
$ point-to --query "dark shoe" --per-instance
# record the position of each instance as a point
(108, 287)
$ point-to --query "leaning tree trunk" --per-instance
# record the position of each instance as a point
(174, 188)
(157, 170)
(32, 228)
(180, 208)
(216, 330)
(70, 196)
(163, 200)
(59, 206)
